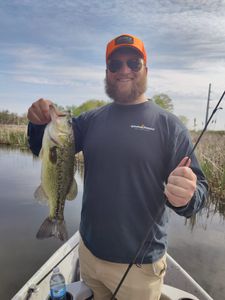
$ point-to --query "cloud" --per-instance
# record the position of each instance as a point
(190, 30)
(59, 75)
(42, 66)
(189, 90)
(58, 47)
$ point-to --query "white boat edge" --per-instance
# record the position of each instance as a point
(66, 258)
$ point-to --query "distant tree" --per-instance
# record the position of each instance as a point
(23, 119)
(4, 116)
(183, 119)
(7, 117)
(59, 107)
(87, 105)
(164, 101)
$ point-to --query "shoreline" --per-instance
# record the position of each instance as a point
(210, 153)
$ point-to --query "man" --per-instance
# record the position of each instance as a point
(135, 165)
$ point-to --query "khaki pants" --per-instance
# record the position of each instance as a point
(141, 283)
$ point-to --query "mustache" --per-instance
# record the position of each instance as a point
(125, 77)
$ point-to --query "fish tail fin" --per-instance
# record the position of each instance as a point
(53, 227)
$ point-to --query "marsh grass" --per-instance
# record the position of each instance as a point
(14, 135)
(211, 155)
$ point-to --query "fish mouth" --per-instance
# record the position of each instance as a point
(60, 134)
(53, 139)
(56, 138)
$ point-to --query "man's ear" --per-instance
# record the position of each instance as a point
(146, 68)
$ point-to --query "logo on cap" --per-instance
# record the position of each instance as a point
(124, 39)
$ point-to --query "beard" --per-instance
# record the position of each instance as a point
(128, 95)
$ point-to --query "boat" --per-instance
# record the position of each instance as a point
(178, 284)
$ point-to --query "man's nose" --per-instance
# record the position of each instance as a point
(125, 69)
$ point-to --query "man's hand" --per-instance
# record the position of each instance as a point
(38, 113)
(181, 184)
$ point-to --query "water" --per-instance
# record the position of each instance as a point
(21, 254)
(200, 251)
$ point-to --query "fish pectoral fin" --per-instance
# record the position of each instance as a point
(72, 191)
(52, 227)
(40, 195)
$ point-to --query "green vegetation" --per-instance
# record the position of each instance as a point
(164, 101)
(211, 155)
(183, 119)
(12, 118)
(14, 135)
(87, 105)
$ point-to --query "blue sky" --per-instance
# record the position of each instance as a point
(55, 49)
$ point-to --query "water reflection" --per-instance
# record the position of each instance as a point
(20, 217)
(200, 251)
(212, 208)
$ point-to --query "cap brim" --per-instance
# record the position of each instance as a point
(134, 49)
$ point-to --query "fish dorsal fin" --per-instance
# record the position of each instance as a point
(72, 191)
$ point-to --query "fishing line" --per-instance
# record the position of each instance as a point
(163, 207)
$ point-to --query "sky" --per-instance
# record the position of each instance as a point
(55, 49)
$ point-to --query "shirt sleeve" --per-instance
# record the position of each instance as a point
(78, 133)
(80, 127)
(181, 147)
(35, 134)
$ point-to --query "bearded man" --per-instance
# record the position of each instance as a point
(135, 167)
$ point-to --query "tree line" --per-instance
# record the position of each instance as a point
(11, 118)
(162, 100)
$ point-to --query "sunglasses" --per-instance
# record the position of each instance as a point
(115, 65)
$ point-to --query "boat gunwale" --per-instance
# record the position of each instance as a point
(72, 244)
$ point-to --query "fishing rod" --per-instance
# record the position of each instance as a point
(161, 210)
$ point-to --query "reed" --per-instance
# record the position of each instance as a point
(211, 155)
(14, 135)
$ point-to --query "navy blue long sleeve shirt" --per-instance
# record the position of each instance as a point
(129, 152)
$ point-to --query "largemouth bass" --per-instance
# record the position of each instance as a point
(57, 174)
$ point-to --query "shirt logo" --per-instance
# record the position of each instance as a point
(142, 127)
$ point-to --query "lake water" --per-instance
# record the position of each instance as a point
(201, 250)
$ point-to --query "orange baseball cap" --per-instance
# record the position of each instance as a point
(126, 40)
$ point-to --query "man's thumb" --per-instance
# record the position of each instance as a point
(185, 162)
